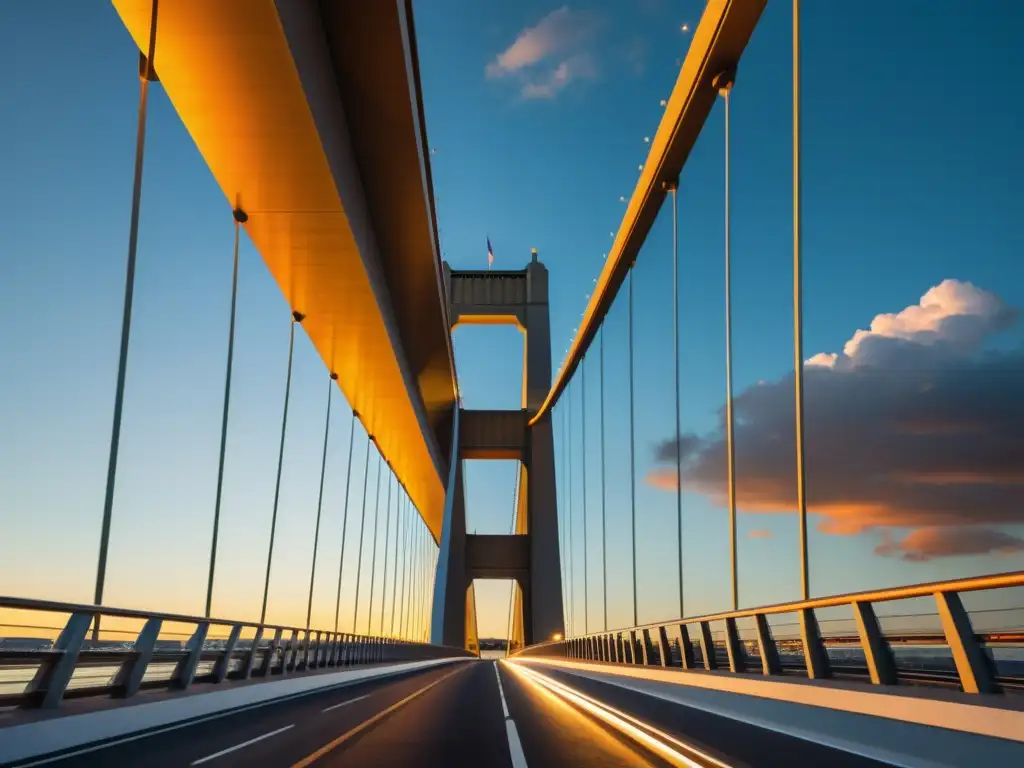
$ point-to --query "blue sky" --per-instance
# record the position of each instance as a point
(911, 178)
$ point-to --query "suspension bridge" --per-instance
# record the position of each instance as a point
(309, 116)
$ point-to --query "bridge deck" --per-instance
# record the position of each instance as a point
(461, 715)
(343, 216)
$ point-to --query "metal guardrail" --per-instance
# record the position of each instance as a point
(973, 668)
(199, 659)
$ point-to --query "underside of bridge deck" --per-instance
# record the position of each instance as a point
(308, 114)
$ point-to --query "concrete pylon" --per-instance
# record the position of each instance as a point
(531, 556)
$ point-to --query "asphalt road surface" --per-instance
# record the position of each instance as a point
(459, 715)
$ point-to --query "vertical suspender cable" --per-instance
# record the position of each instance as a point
(240, 218)
(406, 536)
(604, 506)
(387, 544)
(583, 463)
(428, 582)
(320, 497)
(572, 599)
(632, 444)
(425, 582)
(414, 581)
(428, 603)
(724, 84)
(562, 517)
(148, 73)
(512, 587)
(411, 594)
(373, 555)
(674, 188)
(419, 584)
(399, 527)
(798, 318)
(399, 501)
(344, 516)
(424, 609)
(297, 317)
(362, 527)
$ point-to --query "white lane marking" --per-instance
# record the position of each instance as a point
(344, 703)
(235, 748)
(515, 747)
(504, 706)
(663, 744)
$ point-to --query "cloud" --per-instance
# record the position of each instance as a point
(927, 543)
(557, 43)
(760, 533)
(913, 425)
(548, 86)
(954, 315)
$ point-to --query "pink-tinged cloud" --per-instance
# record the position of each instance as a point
(927, 543)
(760, 533)
(560, 36)
(913, 425)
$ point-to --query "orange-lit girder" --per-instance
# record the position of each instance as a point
(318, 148)
(718, 42)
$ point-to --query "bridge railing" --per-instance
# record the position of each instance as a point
(867, 653)
(43, 674)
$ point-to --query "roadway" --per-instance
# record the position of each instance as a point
(456, 715)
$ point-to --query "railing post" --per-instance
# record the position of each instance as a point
(250, 657)
(815, 655)
(646, 648)
(185, 671)
(129, 676)
(708, 646)
(53, 675)
(972, 664)
(312, 649)
(685, 647)
(733, 646)
(291, 652)
(267, 665)
(770, 664)
(877, 653)
(220, 669)
(666, 656)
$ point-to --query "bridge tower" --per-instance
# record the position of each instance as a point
(530, 556)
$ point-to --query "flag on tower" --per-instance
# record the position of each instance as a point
(490, 253)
